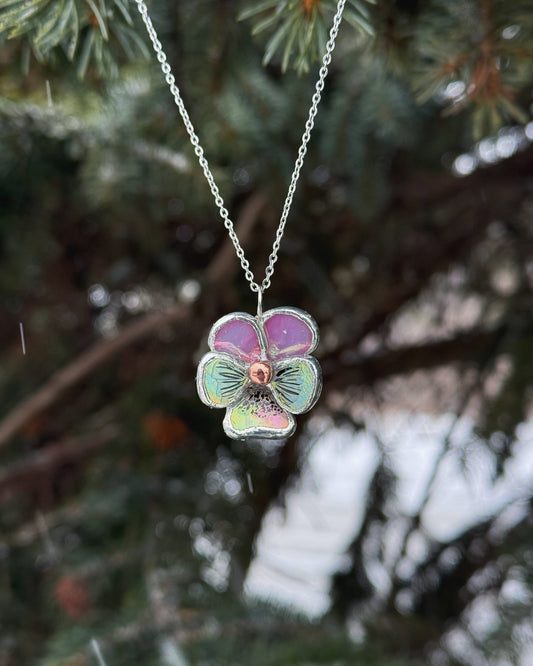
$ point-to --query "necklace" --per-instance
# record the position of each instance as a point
(259, 367)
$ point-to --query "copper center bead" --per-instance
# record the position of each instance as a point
(260, 372)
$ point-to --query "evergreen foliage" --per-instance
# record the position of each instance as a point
(302, 26)
(126, 516)
(91, 33)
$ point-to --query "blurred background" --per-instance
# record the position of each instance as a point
(395, 527)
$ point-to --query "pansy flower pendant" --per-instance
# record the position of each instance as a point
(260, 370)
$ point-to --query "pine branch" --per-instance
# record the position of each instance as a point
(470, 389)
(483, 52)
(27, 533)
(480, 545)
(219, 271)
(17, 477)
(464, 348)
(456, 211)
(96, 33)
(87, 363)
(301, 29)
(225, 263)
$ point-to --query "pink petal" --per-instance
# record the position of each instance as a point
(236, 335)
(258, 415)
(290, 332)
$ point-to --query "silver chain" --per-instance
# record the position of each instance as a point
(199, 151)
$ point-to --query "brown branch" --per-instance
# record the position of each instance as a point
(463, 348)
(103, 351)
(447, 217)
(225, 263)
(17, 476)
(422, 189)
(85, 364)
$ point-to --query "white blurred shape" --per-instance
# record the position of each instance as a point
(486, 149)
(464, 165)
(188, 291)
(454, 89)
(99, 296)
(510, 31)
(506, 145)
(132, 301)
(171, 654)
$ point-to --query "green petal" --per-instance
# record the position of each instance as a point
(297, 383)
(220, 379)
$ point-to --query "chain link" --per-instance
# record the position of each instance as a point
(199, 151)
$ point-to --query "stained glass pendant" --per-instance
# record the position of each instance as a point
(260, 370)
